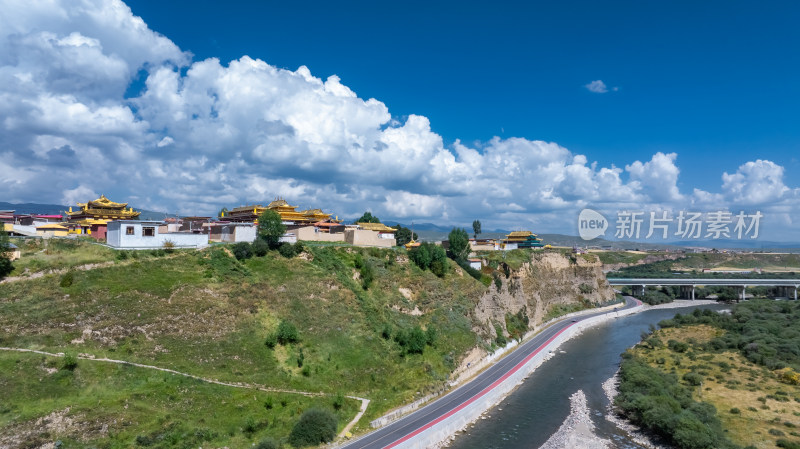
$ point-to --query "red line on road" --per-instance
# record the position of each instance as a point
(479, 395)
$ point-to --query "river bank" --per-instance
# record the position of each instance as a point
(578, 430)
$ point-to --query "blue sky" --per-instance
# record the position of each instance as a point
(440, 112)
(703, 79)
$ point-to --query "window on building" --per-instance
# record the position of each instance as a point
(128, 230)
(149, 232)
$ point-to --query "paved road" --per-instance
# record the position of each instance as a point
(400, 431)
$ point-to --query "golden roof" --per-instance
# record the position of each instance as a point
(103, 202)
(52, 226)
(412, 244)
(246, 208)
(104, 207)
(380, 227)
(521, 234)
(280, 204)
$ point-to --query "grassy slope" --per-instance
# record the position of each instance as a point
(209, 316)
(52, 254)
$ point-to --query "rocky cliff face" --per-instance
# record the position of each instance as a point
(549, 279)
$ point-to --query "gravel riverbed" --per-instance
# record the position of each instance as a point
(578, 430)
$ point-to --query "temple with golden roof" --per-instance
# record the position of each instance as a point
(288, 213)
(524, 239)
(102, 209)
(92, 217)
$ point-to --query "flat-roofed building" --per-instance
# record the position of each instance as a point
(138, 234)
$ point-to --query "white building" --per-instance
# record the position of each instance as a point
(233, 232)
(135, 234)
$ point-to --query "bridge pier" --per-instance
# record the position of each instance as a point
(637, 290)
(687, 291)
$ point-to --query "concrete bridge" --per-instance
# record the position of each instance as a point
(787, 287)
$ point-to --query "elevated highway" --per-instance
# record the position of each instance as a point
(789, 286)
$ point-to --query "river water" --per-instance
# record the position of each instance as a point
(535, 411)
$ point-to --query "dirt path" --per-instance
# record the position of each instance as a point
(38, 274)
(364, 402)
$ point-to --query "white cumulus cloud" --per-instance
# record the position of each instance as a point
(597, 86)
(207, 134)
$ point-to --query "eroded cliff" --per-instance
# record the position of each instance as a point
(549, 280)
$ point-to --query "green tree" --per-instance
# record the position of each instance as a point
(314, 427)
(368, 218)
(421, 256)
(270, 227)
(403, 235)
(5, 253)
(459, 244)
(438, 260)
(476, 228)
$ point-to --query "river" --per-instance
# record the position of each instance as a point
(533, 412)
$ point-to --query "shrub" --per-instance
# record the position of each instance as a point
(67, 279)
(286, 250)
(315, 426)
(242, 250)
(500, 339)
(260, 247)
(468, 269)
(250, 425)
(412, 341)
(430, 335)
(367, 275)
(677, 346)
(69, 362)
(287, 333)
(267, 443)
(271, 341)
(693, 379)
(786, 444)
(338, 401)
(269, 403)
(735, 411)
(168, 246)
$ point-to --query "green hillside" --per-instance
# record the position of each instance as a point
(207, 314)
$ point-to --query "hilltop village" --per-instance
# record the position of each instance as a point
(118, 226)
